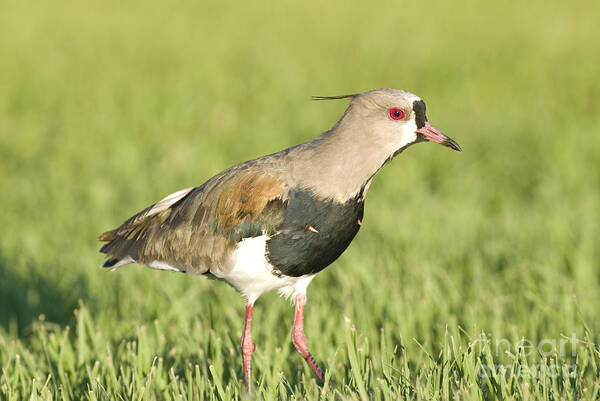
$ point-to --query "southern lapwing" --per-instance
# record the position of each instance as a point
(274, 222)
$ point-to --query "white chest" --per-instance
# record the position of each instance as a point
(250, 273)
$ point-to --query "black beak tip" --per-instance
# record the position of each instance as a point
(451, 143)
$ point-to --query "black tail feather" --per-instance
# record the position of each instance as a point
(110, 262)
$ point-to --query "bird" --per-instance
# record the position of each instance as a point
(274, 222)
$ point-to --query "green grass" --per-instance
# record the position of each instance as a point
(464, 263)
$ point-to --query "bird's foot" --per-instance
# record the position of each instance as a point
(248, 348)
(301, 344)
(299, 338)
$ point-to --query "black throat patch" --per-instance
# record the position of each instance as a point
(419, 109)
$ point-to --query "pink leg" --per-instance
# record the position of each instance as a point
(299, 339)
(247, 348)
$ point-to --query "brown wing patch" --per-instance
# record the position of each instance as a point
(198, 232)
(108, 236)
(246, 198)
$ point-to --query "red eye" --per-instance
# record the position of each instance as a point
(396, 114)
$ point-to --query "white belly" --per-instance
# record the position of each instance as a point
(250, 273)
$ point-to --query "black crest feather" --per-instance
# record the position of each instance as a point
(353, 95)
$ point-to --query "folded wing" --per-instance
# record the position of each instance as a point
(195, 229)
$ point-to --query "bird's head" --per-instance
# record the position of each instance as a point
(390, 120)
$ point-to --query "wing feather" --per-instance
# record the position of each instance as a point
(195, 229)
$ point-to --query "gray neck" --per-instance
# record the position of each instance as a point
(339, 163)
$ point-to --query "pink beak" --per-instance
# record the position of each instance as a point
(430, 133)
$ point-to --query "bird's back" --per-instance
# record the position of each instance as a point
(195, 229)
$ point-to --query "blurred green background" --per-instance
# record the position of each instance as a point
(107, 106)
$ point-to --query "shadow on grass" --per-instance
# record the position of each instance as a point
(26, 295)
